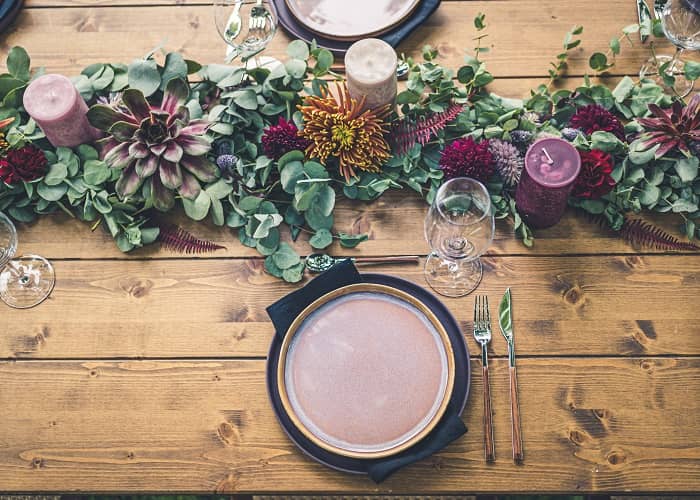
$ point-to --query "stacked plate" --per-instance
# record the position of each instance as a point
(336, 24)
(367, 371)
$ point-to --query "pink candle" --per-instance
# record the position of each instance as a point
(60, 111)
(551, 167)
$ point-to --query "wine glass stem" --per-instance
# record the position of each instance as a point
(674, 60)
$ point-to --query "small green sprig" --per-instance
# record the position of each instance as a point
(570, 42)
(480, 25)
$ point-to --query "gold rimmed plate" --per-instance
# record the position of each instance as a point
(366, 371)
(351, 20)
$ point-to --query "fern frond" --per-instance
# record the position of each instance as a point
(639, 233)
(406, 133)
(642, 234)
(178, 240)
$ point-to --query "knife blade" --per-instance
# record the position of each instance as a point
(644, 16)
(505, 321)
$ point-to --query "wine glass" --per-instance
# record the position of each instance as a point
(247, 26)
(459, 228)
(25, 281)
(680, 20)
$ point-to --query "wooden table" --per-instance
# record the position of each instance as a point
(145, 372)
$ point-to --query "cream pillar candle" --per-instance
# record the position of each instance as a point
(60, 111)
(370, 67)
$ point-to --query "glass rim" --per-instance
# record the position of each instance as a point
(14, 243)
(482, 187)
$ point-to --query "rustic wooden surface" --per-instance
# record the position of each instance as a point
(145, 372)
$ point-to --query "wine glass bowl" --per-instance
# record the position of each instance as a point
(680, 21)
(247, 26)
(681, 24)
(8, 240)
(459, 227)
(25, 281)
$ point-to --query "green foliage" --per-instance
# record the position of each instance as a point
(268, 202)
(559, 66)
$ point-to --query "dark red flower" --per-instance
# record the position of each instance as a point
(282, 138)
(24, 164)
(593, 117)
(466, 158)
(594, 180)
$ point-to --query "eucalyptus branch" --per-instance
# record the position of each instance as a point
(570, 43)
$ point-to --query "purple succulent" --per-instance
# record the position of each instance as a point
(160, 145)
(676, 127)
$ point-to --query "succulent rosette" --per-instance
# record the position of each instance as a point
(159, 148)
(677, 127)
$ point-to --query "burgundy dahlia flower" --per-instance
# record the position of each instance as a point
(23, 164)
(466, 158)
(594, 180)
(593, 117)
(282, 138)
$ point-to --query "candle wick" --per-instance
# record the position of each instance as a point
(549, 158)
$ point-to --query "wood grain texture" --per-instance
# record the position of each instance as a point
(589, 425)
(524, 35)
(394, 224)
(608, 345)
(627, 305)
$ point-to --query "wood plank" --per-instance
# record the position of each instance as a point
(394, 224)
(627, 305)
(86, 35)
(589, 425)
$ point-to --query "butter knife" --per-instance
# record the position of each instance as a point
(505, 321)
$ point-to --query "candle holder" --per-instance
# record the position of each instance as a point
(551, 167)
(370, 68)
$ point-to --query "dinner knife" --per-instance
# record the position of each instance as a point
(644, 16)
(505, 321)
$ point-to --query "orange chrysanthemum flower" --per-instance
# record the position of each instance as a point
(339, 128)
(3, 123)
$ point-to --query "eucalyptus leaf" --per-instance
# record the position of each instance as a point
(322, 239)
(144, 76)
(687, 168)
(198, 208)
(285, 257)
(56, 174)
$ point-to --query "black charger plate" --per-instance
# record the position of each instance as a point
(458, 399)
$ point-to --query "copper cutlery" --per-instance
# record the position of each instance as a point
(505, 321)
(319, 262)
(482, 334)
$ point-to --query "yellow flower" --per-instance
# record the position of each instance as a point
(3, 123)
(338, 128)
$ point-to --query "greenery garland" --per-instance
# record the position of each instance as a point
(245, 148)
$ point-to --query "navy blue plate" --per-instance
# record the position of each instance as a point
(458, 399)
(8, 11)
(297, 30)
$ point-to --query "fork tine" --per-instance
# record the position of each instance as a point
(476, 306)
(488, 313)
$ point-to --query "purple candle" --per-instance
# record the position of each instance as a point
(551, 167)
(60, 111)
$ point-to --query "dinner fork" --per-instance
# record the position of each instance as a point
(482, 334)
(257, 17)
